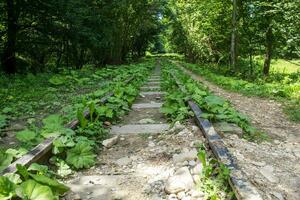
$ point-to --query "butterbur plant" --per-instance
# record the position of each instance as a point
(81, 156)
(33, 183)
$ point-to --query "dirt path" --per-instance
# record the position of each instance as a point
(265, 114)
(274, 168)
(147, 160)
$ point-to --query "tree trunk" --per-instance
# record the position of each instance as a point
(269, 50)
(233, 49)
(9, 54)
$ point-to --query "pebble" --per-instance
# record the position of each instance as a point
(181, 195)
(197, 194)
(268, 173)
(151, 144)
(123, 161)
(197, 169)
(110, 142)
(180, 181)
(172, 197)
(185, 156)
(192, 163)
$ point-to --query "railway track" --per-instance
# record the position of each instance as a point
(143, 159)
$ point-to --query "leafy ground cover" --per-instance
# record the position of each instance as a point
(215, 108)
(279, 86)
(72, 149)
(76, 149)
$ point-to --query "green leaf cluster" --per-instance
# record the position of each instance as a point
(31, 184)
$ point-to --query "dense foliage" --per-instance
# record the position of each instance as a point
(203, 31)
(36, 36)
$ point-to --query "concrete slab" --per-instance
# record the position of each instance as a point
(139, 129)
(153, 83)
(154, 79)
(150, 88)
(152, 93)
(146, 105)
(149, 99)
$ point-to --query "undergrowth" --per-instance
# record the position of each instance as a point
(214, 108)
(279, 86)
(72, 149)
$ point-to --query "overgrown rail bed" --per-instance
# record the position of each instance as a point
(148, 145)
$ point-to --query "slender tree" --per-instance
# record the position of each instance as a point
(234, 35)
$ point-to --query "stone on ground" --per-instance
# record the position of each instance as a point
(123, 161)
(185, 156)
(182, 180)
(228, 128)
(110, 142)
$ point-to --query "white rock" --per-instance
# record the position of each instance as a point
(268, 173)
(197, 194)
(185, 156)
(197, 169)
(195, 129)
(196, 178)
(192, 163)
(181, 195)
(185, 163)
(184, 132)
(110, 142)
(151, 144)
(178, 126)
(181, 181)
(123, 161)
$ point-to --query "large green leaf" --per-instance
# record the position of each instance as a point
(7, 188)
(39, 168)
(53, 126)
(17, 153)
(5, 160)
(61, 142)
(23, 171)
(31, 190)
(55, 186)
(81, 156)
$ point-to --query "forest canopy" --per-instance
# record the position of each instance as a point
(49, 35)
(38, 35)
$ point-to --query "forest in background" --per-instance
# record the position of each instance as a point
(36, 36)
(235, 32)
(241, 36)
